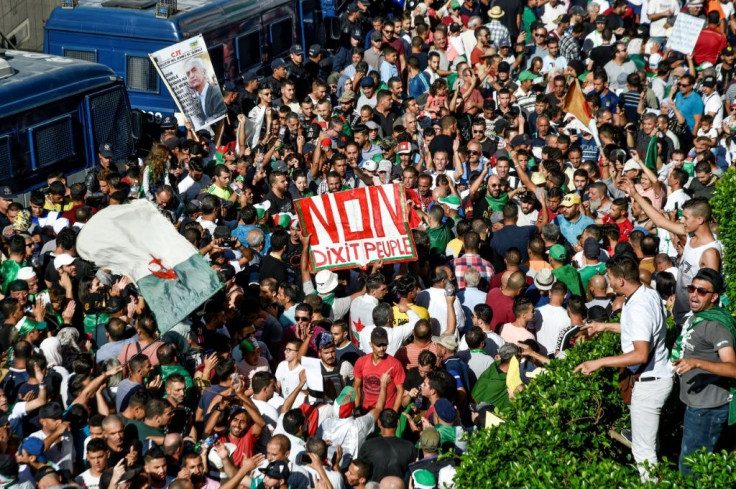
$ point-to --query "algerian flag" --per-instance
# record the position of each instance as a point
(137, 241)
(650, 159)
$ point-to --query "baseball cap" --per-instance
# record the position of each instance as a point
(709, 81)
(558, 252)
(34, 446)
(356, 34)
(314, 50)
(445, 410)
(526, 75)
(704, 66)
(404, 147)
(630, 165)
(711, 276)
(728, 51)
(370, 165)
(446, 340)
(376, 36)
(570, 200)
(385, 166)
(429, 440)
(367, 82)
(347, 96)
(379, 336)
(504, 43)
(278, 63)
(591, 248)
(538, 178)
(451, 201)
(296, 49)
(372, 125)
(105, 150)
(276, 470)
(352, 8)
(168, 123)
(519, 140)
(496, 217)
(601, 19)
(6, 193)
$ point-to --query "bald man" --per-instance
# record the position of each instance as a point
(501, 300)
(391, 482)
(597, 287)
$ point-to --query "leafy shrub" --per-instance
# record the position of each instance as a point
(723, 204)
(557, 436)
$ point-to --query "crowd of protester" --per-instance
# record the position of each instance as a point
(532, 232)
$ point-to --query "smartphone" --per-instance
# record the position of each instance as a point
(282, 133)
(304, 459)
(45, 298)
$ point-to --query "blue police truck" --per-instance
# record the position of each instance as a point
(54, 113)
(246, 34)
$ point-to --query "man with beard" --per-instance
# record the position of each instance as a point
(245, 426)
(598, 204)
(154, 465)
(335, 374)
(493, 201)
(194, 470)
(182, 417)
(572, 222)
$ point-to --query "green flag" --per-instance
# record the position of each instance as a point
(650, 159)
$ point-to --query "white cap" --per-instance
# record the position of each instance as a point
(63, 260)
(370, 165)
(631, 164)
(26, 273)
(385, 165)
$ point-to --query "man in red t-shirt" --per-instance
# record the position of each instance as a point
(243, 433)
(711, 41)
(369, 369)
(619, 215)
(502, 300)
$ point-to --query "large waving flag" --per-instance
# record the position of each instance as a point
(137, 241)
(576, 104)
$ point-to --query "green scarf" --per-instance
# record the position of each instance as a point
(719, 315)
(497, 203)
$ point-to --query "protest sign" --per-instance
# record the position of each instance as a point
(685, 33)
(187, 72)
(357, 227)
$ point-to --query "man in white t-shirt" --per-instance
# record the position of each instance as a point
(658, 11)
(195, 182)
(554, 319)
(643, 330)
(97, 456)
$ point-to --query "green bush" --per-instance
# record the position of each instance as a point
(723, 204)
(557, 436)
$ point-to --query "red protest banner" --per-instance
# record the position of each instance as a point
(357, 227)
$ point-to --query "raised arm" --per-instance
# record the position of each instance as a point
(657, 217)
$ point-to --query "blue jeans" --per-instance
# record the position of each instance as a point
(701, 429)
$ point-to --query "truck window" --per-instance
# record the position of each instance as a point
(281, 36)
(217, 56)
(82, 54)
(52, 141)
(140, 75)
(6, 165)
(249, 50)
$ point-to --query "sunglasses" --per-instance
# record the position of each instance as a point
(305, 319)
(472, 152)
(700, 290)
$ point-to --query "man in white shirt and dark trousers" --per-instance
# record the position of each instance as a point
(643, 330)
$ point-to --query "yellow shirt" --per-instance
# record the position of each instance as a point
(50, 206)
(401, 318)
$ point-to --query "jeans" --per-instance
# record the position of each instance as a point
(647, 400)
(701, 429)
